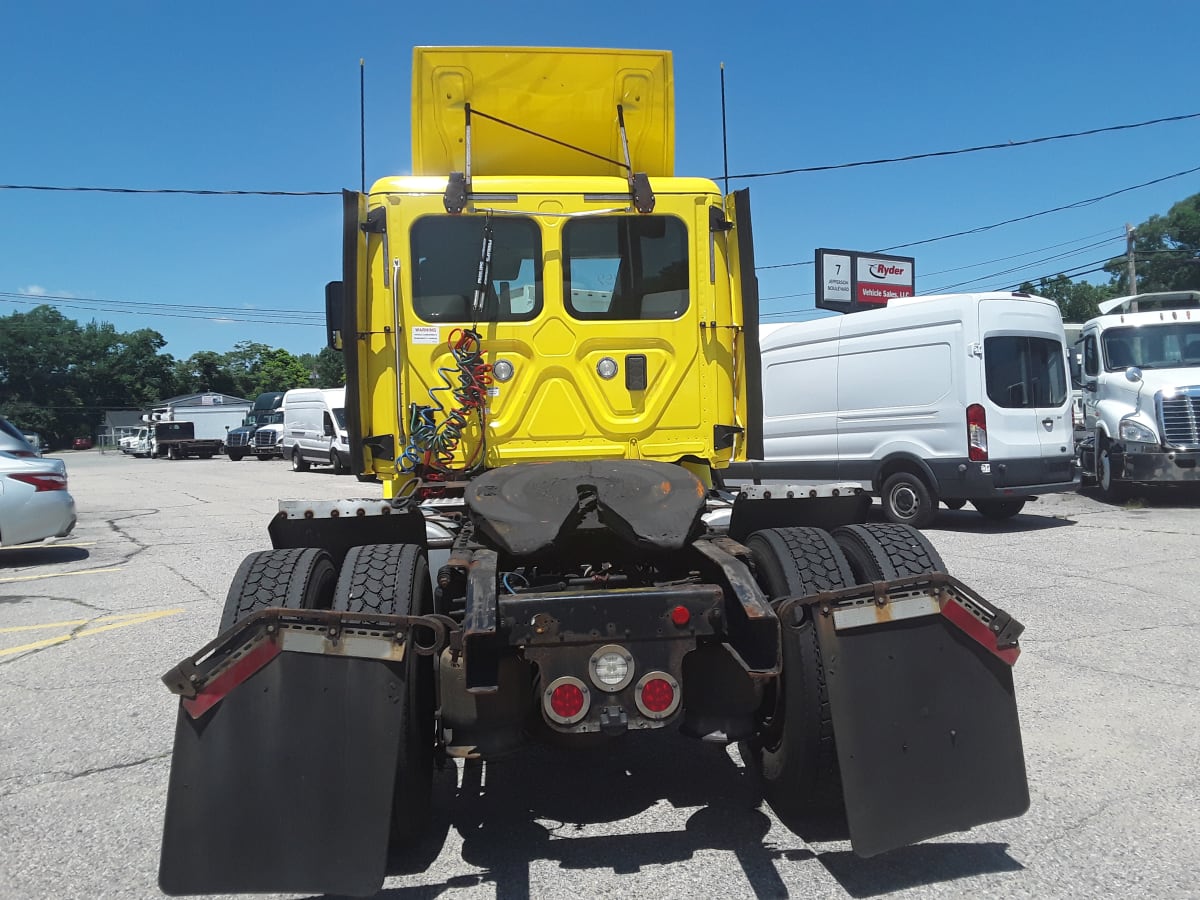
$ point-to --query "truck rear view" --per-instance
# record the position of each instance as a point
(551, 353)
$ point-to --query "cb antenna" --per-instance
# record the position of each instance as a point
(362, 123)
(724, 139)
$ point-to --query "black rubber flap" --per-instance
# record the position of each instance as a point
(532, 507)
(925, 723)
(286, 785)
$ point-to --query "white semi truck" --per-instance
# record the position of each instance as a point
(1139, 369)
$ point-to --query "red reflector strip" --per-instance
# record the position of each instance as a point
(978, 632)
(216, 690)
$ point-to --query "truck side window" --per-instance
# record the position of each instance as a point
(1091, 359)
(1025, 372)
(626, 267)
(445, 265)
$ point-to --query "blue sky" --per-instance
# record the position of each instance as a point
(264, 96)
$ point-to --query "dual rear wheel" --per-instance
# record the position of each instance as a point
(387, 579)
(795, 752)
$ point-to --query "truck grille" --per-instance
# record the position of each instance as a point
(237, 439)
(264, 439)
(1179, 418)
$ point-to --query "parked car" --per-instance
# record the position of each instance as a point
(14, 442)
(81, 443)
(34, 502)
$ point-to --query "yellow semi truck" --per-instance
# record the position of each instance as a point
(551, 354)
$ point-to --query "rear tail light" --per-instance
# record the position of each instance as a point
(566, 700)
(657, 695)
(977, 449)
(42, 481)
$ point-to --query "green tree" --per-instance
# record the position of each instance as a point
(206, 370)
(278, 370)
(328, 367)
(1166, 250)
(1077, 299)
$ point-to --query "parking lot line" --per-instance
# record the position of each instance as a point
(112, 622)
(59, 574)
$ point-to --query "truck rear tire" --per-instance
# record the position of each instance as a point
(907, 500)
(999, 509)
(883, 552)
(299, 463)
(294, 579)
(795, 754)
(393, 579)
(172, 452)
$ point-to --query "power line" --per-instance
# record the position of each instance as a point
(982, 228)
(191, 307)
(1036, 262)
(1002, 146)
(223, 317)
(1114, 236)
(193, 192)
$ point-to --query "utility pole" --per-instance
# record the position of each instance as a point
(1130, 259)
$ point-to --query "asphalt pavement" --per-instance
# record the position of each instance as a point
(1107, 686)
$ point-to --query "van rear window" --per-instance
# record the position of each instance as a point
(1025, 372)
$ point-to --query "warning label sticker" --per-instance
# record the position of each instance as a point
(426, 334)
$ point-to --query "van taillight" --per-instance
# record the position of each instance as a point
(976, 433)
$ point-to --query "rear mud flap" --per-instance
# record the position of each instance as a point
(924, 716)
(285, 785)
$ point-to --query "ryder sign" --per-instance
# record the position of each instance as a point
(850, 281)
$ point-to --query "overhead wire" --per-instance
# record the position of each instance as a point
(939, 153)
(982, 228)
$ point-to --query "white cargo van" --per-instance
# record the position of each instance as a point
(314, 429)
(944, 398)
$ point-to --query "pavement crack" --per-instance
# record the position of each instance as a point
(65, 777)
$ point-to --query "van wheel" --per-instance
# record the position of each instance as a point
(999, 509)
(299, 463)
(339, 465)
(907, 501)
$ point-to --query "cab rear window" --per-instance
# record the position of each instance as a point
(626, 267)
(1025, 372)
(446, 251)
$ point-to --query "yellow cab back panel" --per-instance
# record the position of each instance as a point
(603, 332)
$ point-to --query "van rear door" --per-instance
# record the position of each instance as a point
(1026, 393)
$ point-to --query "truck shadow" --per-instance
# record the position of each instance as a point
(968, 521)
(531, 808)
(12, 557)
(1150, 496)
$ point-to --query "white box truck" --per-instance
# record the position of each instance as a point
(1140, 380)
(951, 398)
(314, 429)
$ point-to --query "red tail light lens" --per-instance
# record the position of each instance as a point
(977, 448)
(566, 700)
(657, 695)
(42, 481)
